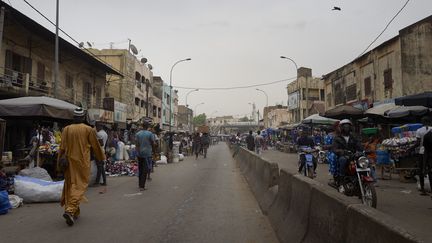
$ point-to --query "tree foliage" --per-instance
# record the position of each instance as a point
(200, 119)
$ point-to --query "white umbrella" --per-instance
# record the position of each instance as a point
(317, 119)
(404, 111)
(380, 109)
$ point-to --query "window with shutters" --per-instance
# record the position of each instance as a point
(87, 92)
(351, 92)
(388, 80)
(16, 66)
(137, 101)
(40, 72)
(367, 86)
(69, 81)
(339, 94)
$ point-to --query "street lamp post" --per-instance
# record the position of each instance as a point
(265, 95)
(202, 103)
(188, 94)
(187, 109)
(170, 101)
(298, 84)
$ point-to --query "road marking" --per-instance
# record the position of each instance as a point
(133, 194)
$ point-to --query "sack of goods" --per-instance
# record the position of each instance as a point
(36, 172)
(36, 190)
(4, 202)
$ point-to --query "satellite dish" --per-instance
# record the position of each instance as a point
(144, 60)
(89, 44)
(134, 49)
(81, 45)
(150, 66)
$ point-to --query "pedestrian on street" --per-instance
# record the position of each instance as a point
(196, 144)
(259, 140)
(144, 143)
(250, 141)
(77, 139)
(425, 162)
(102, 138)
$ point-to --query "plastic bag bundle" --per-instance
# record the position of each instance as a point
(15, 201)
(36, 172)
(163, 160)
(36, 190)
(181, 157)
(427, 185)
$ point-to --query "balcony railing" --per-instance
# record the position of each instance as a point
(19, 82)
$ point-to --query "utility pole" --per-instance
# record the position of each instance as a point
(56, 53)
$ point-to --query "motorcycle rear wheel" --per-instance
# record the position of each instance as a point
(370, 197)
(310, 172)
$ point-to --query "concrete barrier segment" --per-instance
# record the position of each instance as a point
(366, 224)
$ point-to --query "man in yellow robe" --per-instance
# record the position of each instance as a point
(77, 139)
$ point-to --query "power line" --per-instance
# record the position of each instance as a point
(388, 24)
(237, 87)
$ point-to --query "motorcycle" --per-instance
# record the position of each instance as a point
(321, 155)
(308, 168)
(357, 180)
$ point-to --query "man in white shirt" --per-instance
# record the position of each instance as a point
(102, 137)
(420, 133)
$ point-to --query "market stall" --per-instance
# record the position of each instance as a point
(402, 150)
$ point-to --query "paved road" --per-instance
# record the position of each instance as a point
(400, 200)
(204, 200)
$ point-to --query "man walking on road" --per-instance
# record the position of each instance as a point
(144, 143)
(425, 152)
(259, 140)
(250, 141)
(102, 138)
(77, 139)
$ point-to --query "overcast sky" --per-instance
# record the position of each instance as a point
(233, 42)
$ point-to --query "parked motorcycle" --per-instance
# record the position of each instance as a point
(308, 168)
(357, 180)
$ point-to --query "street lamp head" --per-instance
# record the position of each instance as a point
(196, 89)
(282, 56)
(188, 59)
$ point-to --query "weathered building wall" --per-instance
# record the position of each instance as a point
(416, 44)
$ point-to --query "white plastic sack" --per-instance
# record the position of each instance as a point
(93, 172)
(15, 201)
(36, 172)
(163, 160)
(36, 190)
(181, 157)
(427, 185)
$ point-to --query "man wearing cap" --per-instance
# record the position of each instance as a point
(77, 139)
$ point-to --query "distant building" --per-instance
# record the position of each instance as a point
(305, 96)
(185, 118)
(135, 88)
(398, 67)
(268, 109)
(277, 118)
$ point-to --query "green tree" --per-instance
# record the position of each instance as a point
(244, 119)
(200, 119)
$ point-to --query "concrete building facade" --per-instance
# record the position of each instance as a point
(277, 117)
(185, 118)
(305, 96)
(398, 67)
(135, 88)
(27, 64)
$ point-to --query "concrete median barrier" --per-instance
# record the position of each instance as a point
(365, 224)
(278, 211)
(304, 210)
(327, 215)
